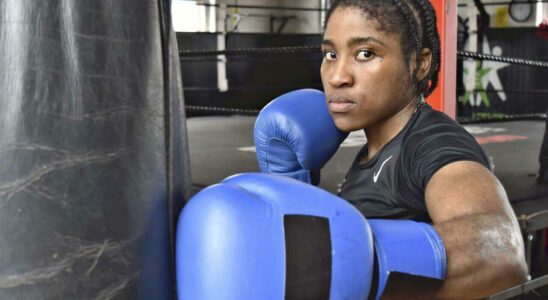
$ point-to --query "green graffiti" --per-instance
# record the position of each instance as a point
(479, 86)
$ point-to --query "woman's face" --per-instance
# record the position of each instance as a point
(365, 77)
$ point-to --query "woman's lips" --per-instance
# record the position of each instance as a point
(340, 105)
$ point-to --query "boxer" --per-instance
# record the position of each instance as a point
(381, 59)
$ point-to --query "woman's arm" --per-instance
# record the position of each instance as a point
(473, 217)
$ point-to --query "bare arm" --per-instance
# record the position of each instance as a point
(473, 217)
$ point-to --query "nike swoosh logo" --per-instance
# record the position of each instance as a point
(376, 174)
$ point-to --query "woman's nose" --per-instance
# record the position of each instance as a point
(340, 75)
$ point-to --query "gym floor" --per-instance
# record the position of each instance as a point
(221, 146)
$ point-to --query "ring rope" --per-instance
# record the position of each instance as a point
(257, 6)
(492, 119)
(507, 91)
(316, 49)
(461, 120)
(291, 50)
(254, 51)
(238, 111)
(504, 3)
(323, 9)
(512, 60)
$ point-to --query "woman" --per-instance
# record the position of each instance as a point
(381, 58)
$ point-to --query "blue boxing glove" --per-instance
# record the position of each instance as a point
(261, 236)
(295, 136)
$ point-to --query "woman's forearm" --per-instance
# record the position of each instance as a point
(484, 255)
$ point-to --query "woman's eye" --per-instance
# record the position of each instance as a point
(364, 55)
(330, 55)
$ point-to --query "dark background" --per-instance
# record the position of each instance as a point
(255, 80)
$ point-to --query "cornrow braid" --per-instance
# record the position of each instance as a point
(414, 26)
(433, 43)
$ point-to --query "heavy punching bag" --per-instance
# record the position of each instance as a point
(93, 156)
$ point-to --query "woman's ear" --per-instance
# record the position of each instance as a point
(426, 61)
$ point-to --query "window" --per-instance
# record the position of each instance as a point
(190, 16)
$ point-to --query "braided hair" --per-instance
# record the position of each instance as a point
(415, 21)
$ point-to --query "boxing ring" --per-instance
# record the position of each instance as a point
(98, 152)
(512, 142)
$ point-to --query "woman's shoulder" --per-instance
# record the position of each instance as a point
(436, 136)
(433, 122)
(434, 131)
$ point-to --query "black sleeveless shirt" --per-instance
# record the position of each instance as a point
(392, 183)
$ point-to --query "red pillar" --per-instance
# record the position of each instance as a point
(444, 96)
